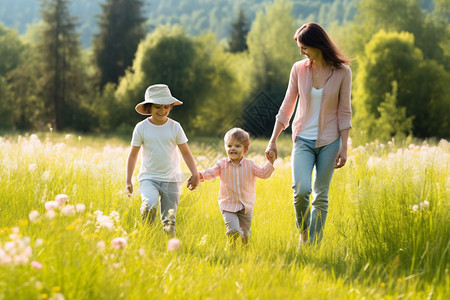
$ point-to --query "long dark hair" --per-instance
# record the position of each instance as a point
(313, 35)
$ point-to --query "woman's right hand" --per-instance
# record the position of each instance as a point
(272, 146)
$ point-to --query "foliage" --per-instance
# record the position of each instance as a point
(239, 31)
(406, 15)
(392, 57)
(392, 122)
(121, 30)
(218, 86)
(386, 233)
(195, 16)
(272, 49)
(11, 48)
(195, 70)
(61, 80)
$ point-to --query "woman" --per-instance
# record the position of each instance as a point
(320, 130)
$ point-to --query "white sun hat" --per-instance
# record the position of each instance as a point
(157, 94)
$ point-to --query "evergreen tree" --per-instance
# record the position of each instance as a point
(61, 83)
(239, 31)
(393, 121)
(121, 30)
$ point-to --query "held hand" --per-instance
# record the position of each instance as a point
(271, 152)
(192, 182)
(271, 156)
(341, 158)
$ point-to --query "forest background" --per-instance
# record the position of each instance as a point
(83, 65)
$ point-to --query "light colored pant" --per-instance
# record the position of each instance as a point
(153, 190)
(238, 222)
(304, 157)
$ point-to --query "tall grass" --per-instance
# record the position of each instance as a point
(387, 232)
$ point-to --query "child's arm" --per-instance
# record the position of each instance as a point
(211, 173)
(263, 172)
(189, 160)
(131, 164)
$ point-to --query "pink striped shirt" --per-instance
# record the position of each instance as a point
(237, 182)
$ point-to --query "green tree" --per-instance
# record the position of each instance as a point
(392, 121)
(121, 29)
(392, 57)
(195, 69)
(11, 49)
(26, 109)
(62, 80)
(406, 15)
(272, 49)
(239, 31)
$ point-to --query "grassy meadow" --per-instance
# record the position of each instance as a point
(387, 234)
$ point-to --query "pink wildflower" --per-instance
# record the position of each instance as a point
(424, 204)
(50, 214)
(51, 205)
(119, 243)
(101, 245)
(68, 210)
(80, 208)
(33, 216)
(173, 244)
(61, 199)
(36, 265)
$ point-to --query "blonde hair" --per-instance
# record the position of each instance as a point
(239, 135)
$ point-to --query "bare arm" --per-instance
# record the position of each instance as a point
(341, 157)
(189, 160)
(131, 164)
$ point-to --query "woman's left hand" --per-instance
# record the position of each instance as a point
(341, 158)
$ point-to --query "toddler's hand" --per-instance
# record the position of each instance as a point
(271, 156)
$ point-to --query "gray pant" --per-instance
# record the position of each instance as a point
(152, 190)
(238, 222)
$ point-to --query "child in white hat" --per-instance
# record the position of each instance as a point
(160, 174)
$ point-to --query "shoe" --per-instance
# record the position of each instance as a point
(169, 229)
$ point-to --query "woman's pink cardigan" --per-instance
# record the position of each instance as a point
(335, 109)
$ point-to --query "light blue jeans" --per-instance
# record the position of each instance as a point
(152, 190)
(305, 156)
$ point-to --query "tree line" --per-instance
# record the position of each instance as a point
(401, 69)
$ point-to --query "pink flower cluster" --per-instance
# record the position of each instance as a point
(107, 221)
(119, 243)
(17, 250)
(60, 203)
(423, 206)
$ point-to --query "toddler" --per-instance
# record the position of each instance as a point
(237, 184)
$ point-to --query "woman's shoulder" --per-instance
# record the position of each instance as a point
(301, 63)
(344, 68)
(301, 66)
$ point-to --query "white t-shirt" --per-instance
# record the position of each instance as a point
(311, 128)
(160, 158)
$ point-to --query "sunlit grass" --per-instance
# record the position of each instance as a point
(387, 234)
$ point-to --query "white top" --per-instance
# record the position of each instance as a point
(311, 128)
(160, 158)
